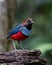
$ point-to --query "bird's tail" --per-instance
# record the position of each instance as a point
(7, 36)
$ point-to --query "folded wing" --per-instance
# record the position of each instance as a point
(14, 31)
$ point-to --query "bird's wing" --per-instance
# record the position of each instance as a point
(25, 31)
(13, 31)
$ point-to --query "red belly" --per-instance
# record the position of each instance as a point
(18, 36)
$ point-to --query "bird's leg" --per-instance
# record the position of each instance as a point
(20, 45)
(14, 46)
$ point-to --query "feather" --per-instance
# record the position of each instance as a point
(19, 28)
(25, 31)
(14, 31)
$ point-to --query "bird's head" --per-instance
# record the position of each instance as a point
(28, 23)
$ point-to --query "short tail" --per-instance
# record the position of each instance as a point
(7, 36)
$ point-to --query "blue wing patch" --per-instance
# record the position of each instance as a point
(13, 31)
(25, 31)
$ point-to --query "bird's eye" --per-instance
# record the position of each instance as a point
(28, 21)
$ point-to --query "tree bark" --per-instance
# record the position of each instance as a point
(22, 57)
(3, 25)
(7, 12)
(11, 9)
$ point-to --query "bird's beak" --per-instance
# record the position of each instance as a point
(32, 22)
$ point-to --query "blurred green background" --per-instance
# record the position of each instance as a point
(41, 13)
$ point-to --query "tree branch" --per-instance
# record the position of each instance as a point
(22, 57)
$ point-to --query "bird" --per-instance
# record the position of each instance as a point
(21, 32)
